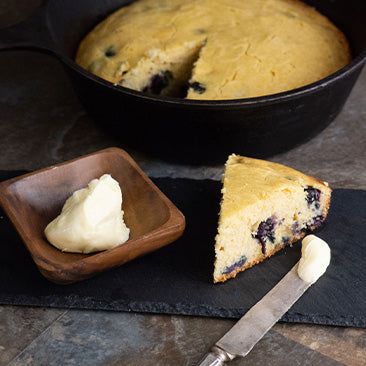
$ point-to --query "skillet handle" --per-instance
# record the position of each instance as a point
(32, 33)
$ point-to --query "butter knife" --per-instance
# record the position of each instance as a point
(242, 337)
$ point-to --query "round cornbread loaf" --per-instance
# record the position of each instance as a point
(214, 49)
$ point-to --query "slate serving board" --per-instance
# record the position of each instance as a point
(177, 279)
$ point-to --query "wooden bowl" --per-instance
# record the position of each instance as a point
(31, 201)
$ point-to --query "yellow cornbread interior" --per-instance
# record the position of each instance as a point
(253, 191)
(228, 49)
(174, 63)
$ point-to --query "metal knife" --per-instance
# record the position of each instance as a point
(242, 337)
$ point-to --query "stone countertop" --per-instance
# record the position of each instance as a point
(43, 123)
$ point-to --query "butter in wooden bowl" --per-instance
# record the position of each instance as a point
(33, 200)
(91, 219)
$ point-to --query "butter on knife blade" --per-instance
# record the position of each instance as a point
(242, 337)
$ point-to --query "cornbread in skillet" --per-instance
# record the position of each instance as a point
(265, 206)
(214, 49)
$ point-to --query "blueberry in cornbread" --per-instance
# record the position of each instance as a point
(265, 206)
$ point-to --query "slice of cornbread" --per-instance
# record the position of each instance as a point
(265, 206)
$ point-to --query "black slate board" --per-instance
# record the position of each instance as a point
(178, 278)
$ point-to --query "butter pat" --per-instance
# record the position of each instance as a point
(315, 258)
(91, 219)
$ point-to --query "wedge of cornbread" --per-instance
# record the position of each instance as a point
(265, 206)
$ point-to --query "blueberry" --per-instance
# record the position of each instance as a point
(238, 264)
(158, 82)
(197, 87)
(313, 195)
(110, 52)
(266, 232)
(285, 240)
(296, 228)
(317, 221)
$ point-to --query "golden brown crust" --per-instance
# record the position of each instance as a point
(313, 13)
(135, 47)
(327, 203)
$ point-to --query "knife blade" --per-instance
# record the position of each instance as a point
(242, 337)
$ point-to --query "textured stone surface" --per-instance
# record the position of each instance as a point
(346, 345)
(126, 339)
(20, 325)
(43, 123)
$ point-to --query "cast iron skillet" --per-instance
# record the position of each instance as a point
(190, 131)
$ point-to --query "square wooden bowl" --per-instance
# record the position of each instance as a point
(33, 200)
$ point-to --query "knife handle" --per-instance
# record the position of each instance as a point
(217, 357)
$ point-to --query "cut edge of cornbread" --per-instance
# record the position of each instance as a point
(164, 72)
